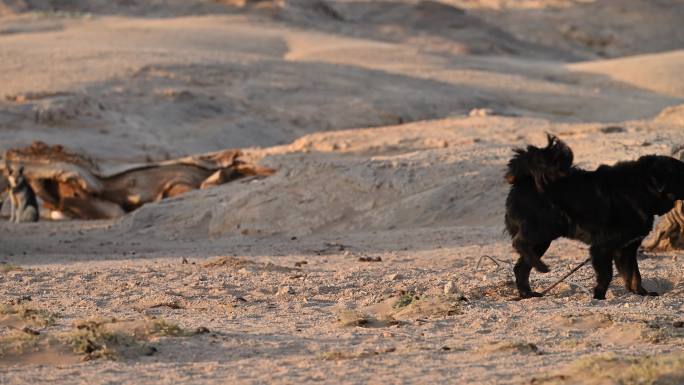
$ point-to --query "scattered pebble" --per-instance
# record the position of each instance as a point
(481, 112)
(30, 331)
(370, 259)
(150, 350)
(612, 129)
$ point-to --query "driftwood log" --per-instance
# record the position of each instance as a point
(74, 186)
(669, 232)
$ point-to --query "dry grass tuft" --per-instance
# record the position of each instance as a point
(338, 355)
(17, 341)
(7, 267)
(353, 318)
(93, 340)
(664, 369)
(33, 317)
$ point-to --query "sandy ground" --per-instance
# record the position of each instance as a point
(389, 125)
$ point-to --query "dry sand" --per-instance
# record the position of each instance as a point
(389, 125)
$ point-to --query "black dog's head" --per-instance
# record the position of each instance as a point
(543, 164)
(665, 178)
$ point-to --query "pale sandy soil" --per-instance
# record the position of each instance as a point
(362, 108)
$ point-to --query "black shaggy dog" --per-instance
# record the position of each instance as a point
(611, 209)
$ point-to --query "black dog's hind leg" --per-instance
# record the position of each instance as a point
(627, 265)
(528, 253)
(603, 266)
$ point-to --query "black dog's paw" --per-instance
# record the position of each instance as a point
(600, 296)
(541, 267)
(642, 291)
(530, 294)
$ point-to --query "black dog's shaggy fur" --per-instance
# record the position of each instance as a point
(611, 209)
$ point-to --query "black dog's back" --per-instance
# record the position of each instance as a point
(611, 209)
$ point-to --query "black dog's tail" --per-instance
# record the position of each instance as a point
(540, 166)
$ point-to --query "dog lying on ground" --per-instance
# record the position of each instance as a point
(611, 209)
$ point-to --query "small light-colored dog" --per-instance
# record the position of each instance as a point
(24, 203)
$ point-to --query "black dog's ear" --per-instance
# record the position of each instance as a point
(659, 183)
(550, 139)
(660, 174)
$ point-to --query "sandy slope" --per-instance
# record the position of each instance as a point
(362, 108)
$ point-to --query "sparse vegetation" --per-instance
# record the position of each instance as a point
(338, 355)
(163, 328)
(405, 299)
(352, 318)
(665, 369)
(17, 341)
(93, 340)
(7, 267)
(413, 306)
(34, 317)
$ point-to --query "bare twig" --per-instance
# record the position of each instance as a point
(495, 260)
(563, 278)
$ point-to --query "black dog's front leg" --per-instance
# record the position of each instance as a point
(627, 265)
(528, 252)
(522, 279)
(603, 266)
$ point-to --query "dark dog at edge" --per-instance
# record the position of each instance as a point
(611, 209)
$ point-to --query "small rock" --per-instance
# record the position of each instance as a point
(481, 112)
(612, 129)
(370, 259)
(184, 261)
(300, 263)
(30, 331)
(202, 330)
(393, 277)
(149, 350)
(678, 324)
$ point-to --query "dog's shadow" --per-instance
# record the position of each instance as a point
(658, 284)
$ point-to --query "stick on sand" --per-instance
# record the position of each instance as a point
(566, 276)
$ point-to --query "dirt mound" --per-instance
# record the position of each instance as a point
(327, 192)
(431, 25)
(608, 369)
(128, 7)
(399, 177)
(587, 28)
(653, 72)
